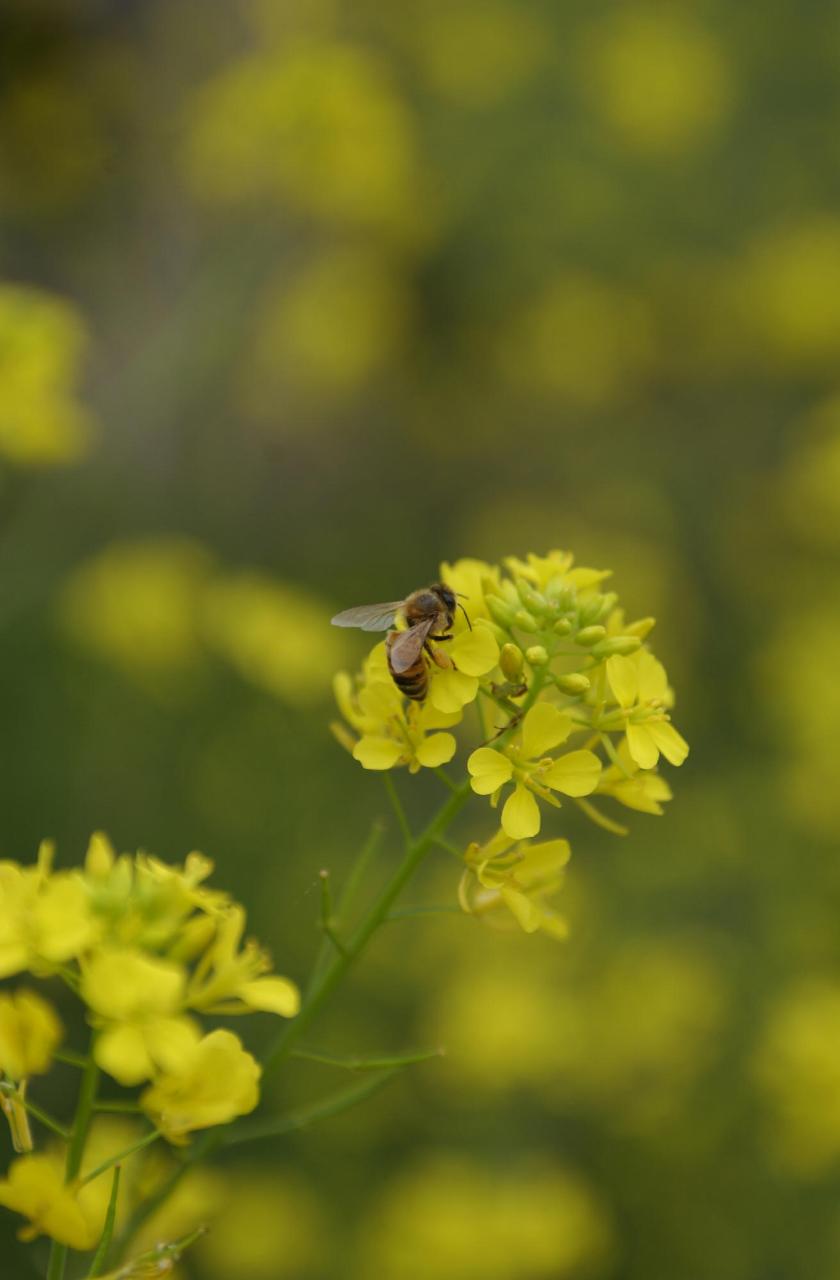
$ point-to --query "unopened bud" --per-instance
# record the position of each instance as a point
(573, 684)
(590, 609)
(590, 635)
(624, 645)
(500, 610)
(530, 598)
(641, 628)
(510, 660)
(537, 655)
(525, 621)
(563, 626)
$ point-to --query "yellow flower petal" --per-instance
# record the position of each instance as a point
(215, 1082)
(121, 1051)
(575, 774)
(436, 750)
(543, 729)
(123, 984)
(29, 1034)
(522, 908)
(521, 814)
(653, 682)
(671, 743)
(35, 1188)
(272, 995)
(489, 770)
(475, 652)
(641, 745)
(451, 690)
(377, 753)
(622, 674)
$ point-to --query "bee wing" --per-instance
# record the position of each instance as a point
(405, 646)
(369, 617)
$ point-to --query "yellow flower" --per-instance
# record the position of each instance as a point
(526, 765)
(45, 918)
(228, 980)
(35, 1188)
(29, 1033)
(637, 789)
(137, 1001)
(392, 733)
(640, 686)
(504, 877)
(473, 653)
(471, 579)
(208, 1085)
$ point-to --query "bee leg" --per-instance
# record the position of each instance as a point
(440, 638)
(440, 659)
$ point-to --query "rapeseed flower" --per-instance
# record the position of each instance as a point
(640, 686)
(36, 1189)
(505, 879)
(228, 979)
(208, 1084)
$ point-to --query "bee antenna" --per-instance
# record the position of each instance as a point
(464, 612)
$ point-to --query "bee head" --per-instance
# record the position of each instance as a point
(449, 599)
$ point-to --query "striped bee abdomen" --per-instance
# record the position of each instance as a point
(413, 683)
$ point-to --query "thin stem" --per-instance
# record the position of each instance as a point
(331, 977)
(378, 1063)
(397, 806)
(327, 917)
(145, 1141)
(449, 847)
(600, 819)
(75, 1152)
(101, 1255)
(445, 779)
(346, 898)
(38, 1112)
(333, 1104)
(118, 1106)
(71, 1058)
(613, 755)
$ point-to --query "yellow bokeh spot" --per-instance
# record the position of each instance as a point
(320, 126)
(476, 54)
(580, 339)
(658, 79)
(42, 347)
(270, 1226)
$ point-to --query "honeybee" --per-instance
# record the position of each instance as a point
(429, 614)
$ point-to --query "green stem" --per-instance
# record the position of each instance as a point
(302, 1117)
(332, 976)
(399, 811)
(145, 1141)
(379, 1063)
(38, 1112)
(71, 1058)
(101, 1255)
(76, 1152)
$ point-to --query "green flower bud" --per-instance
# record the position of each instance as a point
(499, 632)
(500, 611)
(530, 598)
(590, 610)
(525, 621)
(624, 645)
(641, 628)
(563, 626)
(574, 683)
(537, 655)
(562, 597)
(590, 635)
(510, 660)
(608, 602)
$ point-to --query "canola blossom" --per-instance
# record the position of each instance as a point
(566, 702)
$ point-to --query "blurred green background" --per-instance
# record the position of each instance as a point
(298, 300)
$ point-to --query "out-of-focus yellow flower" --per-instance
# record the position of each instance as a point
(230, 980)
(42, 347)
(45, 917)
(787, 290)
(450, 1218)
(320, 126)
(325, 333)
(137, 999)
(810, 485)
(36, 1189)
(640, 686)
(657, 77)
(208, 1084)
(270, 1227)
(635, 788)
(509, 881)
(30, 1031)
(581, 339)
(797, 1065)
(476, 54)
(272, 633)
(138, 604)
(391, 734)
(524, 761)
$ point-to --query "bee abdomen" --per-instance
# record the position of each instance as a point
(413, 683)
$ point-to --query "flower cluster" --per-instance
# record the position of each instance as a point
(570, 701)
(148, 948)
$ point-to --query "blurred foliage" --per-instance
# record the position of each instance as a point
(354, 288)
